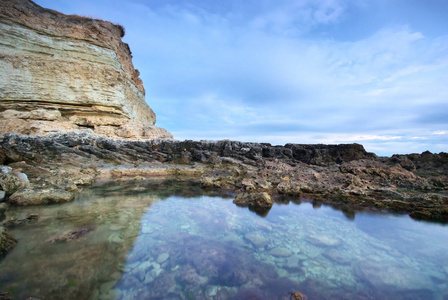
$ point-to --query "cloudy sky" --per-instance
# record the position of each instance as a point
(373, 72)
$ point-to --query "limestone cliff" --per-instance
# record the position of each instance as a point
(61, 72)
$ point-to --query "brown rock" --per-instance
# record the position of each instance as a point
(27, 197)
(254, 200)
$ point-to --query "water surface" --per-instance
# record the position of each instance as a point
(168, 240)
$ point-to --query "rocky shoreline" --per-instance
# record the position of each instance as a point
(52, 169)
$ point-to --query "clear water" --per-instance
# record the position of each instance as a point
(165, 240)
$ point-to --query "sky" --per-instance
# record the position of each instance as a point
(373, 72)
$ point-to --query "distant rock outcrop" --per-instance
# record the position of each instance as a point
(64, 73)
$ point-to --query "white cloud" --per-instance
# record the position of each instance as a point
(254, 74)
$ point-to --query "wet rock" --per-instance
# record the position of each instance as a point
(298, 296)
(2, 196)
(72, 235)
(384, 276)
(323, 240)
(3, 208)
(27, 197)
(162, 258)
(254, 200)
(5, 169)
(337, 256)
(21, 220)
(280, 252)
(7, 241)
(256, 239)
(292, 263)
(13, 181)
(5, 296)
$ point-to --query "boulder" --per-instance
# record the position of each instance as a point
(254, 200)
(13, 181)
(30, 196)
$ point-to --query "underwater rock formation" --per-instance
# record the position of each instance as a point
(65, 72)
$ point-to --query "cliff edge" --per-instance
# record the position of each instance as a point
(65, 72)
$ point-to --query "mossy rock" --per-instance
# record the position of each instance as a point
(7, 241)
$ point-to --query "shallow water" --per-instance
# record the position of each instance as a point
(170, 241)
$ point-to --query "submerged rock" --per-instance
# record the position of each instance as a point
(323, 240)
(257, 239)
(384, 276)
(337, 256)
(162, 258)
(2, 196)
(280, 252)
(298, 296)
(72, 235)
(21, 220)
(38, 197)
(7, 241)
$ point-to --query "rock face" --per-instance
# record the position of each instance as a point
(64, 73)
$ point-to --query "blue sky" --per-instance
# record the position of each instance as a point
(310, 71)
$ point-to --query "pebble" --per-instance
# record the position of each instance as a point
(280, 252)
(162, 258)
(256, 239)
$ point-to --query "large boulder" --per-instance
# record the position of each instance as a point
(30, 196)
(257, 201)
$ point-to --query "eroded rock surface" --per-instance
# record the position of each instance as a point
(65, 73)
(332, 174)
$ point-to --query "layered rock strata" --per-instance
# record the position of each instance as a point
(66, 73)
(344, 175)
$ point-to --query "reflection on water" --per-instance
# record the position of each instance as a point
(193, 246)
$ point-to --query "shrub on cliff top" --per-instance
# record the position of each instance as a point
(121, 28)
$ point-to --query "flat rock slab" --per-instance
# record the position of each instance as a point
(256, 239)
(280, 252)
(323, 240)
(71, 235)
(292, 263)
(337, 256)
(28, 197)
